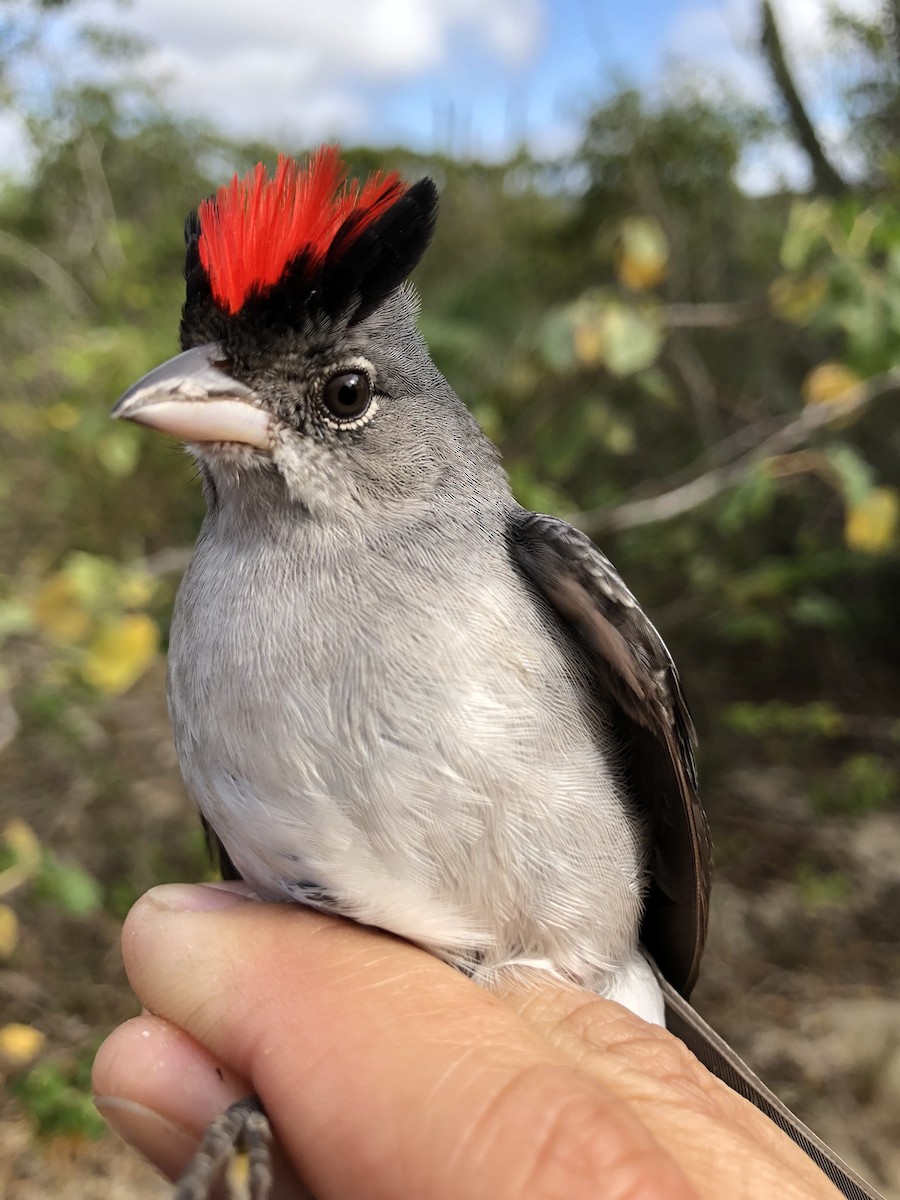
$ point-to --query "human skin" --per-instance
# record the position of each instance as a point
(390, 1076)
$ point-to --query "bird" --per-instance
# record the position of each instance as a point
(397, 695)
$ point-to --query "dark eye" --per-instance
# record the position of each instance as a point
(347, 396)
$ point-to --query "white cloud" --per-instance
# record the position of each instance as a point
(723, 39)
(311, 68)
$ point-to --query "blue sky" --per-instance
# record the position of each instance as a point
(479, 101)
(470, 76)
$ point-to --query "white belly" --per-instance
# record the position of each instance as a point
(440, 774)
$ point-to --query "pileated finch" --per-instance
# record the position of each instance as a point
(396, 694)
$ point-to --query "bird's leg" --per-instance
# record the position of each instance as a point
(243, 1129)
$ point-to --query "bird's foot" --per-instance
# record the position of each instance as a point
(236, 1149)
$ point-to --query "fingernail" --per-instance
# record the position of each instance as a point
(165, 1145)
(199, 897)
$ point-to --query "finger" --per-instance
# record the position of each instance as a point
(158, 1090)
(386, 1072)
(692, 1112)
(133, 1075)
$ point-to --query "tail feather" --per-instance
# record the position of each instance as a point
(718, 1058)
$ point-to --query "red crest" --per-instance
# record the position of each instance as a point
(253, 228)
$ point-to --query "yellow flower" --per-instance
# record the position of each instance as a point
(871, 524)
(830, 383)
(19, 1044)
(9, 931)
(121, 652)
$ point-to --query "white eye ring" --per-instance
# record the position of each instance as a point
(357, 423)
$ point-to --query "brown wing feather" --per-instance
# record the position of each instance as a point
(636, 672)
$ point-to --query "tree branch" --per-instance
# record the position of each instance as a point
(795, 432)
(700, 387)
(893, 23)
(726, 315)
(66, 288)
(826, 176)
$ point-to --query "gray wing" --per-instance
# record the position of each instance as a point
(635, 671)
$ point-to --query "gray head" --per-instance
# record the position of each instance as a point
(304, 381)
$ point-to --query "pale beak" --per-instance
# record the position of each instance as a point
(193, 397)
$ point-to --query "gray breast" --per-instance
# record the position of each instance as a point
(403, 725)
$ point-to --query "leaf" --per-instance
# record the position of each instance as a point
(534, 493)
(597, 330)
(643, 259)
(871, 524)
(135, 588)
(855, 474)
(59, 1104)
(91, 576)
(797, 300)
(554, 341)
(631, 339)
(819, 889)
(15, 617)
(20, 1044)
(9, 932)
(121, 652)
(68, 887)
(21, 841)
(806, 226)
(59, 610)
(818, 611)
(659, 387)
(62, 416)
(830, 383)
(751, 500)
(620, 437)
(783, 719)
(588, 337)
(118, 450)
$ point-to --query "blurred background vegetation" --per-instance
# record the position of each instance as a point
(703, 380)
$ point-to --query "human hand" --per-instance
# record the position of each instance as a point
(387, 1074)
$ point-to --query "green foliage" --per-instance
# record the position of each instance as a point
(67, 887)
(57, 1098)
(816, 720)
(599, 330)
(52, 880)
(842, 264)
(821, 889)
(863, 783)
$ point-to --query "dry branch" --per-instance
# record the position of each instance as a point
(796, 431)
(64, 286)
(714, 316)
